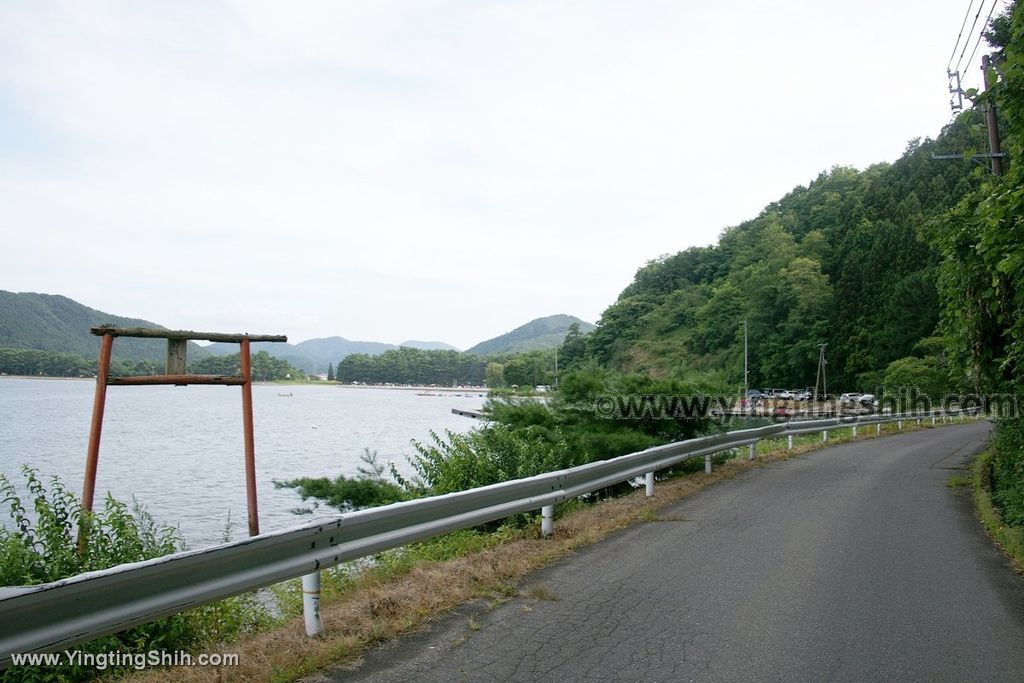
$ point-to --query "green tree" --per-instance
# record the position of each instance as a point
(495, 375)
(573, 351)
(844, 260)
(914, 378)
(982, 240)
(265, 367)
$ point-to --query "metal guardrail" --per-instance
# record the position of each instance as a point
(54, 616)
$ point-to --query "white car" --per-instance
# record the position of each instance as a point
(849, 399)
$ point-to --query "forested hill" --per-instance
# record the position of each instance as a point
(541, 333)
(49, 322)
(847, 261)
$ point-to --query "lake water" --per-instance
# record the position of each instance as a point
(179, 450)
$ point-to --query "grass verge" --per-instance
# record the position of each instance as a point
(1010, 539)
(407, 590)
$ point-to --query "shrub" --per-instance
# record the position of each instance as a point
(369, 488)
(1008, 470)
(346, 493)
(42, 548)
(489, 455)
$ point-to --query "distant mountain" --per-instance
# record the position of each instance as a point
(333, 349)
(428, 345)
(312, 355)
(542, 333)
(50, 322)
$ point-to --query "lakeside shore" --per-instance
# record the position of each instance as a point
(410, 387)
(403, 387)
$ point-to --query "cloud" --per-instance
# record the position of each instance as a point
(441, 170)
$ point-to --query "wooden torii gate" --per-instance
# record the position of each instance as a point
(175, 374)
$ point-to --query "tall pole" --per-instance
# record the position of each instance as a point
(99, 403)
(821, 364)
(746, 382)
(817, 376)
(250, 443)
(991, 120)
(92, 455)
(824, 364)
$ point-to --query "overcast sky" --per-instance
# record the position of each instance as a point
(433, 170)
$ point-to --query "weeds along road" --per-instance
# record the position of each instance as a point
(853, 563)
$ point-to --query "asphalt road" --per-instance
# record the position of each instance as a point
(854, 563)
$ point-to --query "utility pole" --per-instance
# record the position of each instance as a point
(821, 371)
(824, 364)
(746, 383)
(991, 120)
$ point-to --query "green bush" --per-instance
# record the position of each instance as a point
(1008, 470)
(489, 455)
(346, 493)
(609, 443)
(369, 488)
(525, 437)
(571, 417)
(43, 547)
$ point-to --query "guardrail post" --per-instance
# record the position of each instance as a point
(649, 481)
(824, 436)
(547, 521)
(753, 450)
(789, 442)
(855, 431)
(899, 423)
(707, 463)
(878, 428)
(311, 603)
(933, 420)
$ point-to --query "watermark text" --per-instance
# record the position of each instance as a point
(116, 659)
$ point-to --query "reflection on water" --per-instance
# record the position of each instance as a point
(179, 449)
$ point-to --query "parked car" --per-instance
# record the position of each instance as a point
(784, 394)
(868, 400)
(754, 395)
(805, 395)
(849, 399)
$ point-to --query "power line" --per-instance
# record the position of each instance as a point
(960, 35)
(981, 34)
(974, 23)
